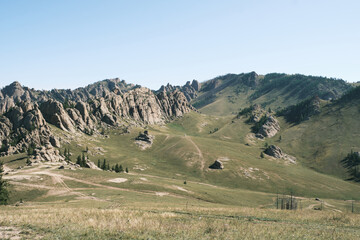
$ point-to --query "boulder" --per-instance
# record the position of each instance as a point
(274, 151)
(90, 164)
(144, 140)
(217, 165)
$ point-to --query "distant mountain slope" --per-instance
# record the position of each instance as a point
(327, 137)
(227, 94)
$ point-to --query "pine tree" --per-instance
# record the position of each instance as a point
(83, 160)
(262, 155)
(78, 161)
(121, 168)
(99, 163)
(4, 193)
(103, 166)
(116, 168)
(108, 167)
(127, 170)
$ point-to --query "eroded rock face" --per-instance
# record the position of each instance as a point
(55, 114)
(47, 153)
(190, 90)
(217, 165)
(21, 126)
(270, 127)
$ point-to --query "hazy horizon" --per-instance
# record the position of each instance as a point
(67, 44)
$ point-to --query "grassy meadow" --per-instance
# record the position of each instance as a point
(170, 193)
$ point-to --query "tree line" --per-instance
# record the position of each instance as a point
(351, 162)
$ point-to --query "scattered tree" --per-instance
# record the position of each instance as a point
(262, 155)
(127, 170)
(103, 166)
(352, 162)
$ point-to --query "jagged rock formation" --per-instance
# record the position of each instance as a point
(190, 90)
(276, 152)
(269, 128)
(110, 102)
(47, 153)
(217, 165)
(22, 126)
(55, 114)
(265, 124)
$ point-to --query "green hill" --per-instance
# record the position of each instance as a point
(227, 94)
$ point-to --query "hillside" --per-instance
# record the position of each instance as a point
(227, 94)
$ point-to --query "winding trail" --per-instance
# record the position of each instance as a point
(201, 156)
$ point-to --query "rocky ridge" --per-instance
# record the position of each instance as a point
(109, 103)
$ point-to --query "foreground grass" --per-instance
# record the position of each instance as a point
(71, 222)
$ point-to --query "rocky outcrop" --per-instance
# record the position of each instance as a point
(144, 140)
(217, 165)
(276, 152)
(55, 114)
(91, 165)
(47, 153)
(22, 126)
(190, 90)
(269, 128)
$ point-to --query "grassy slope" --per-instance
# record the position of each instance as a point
(274, 90)
(325, 139)
(175, 154)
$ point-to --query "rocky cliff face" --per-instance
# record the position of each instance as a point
(190, 90)
(22, 126)
(27, 112)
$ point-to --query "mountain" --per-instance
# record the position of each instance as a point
(26, 113)
(227, 94)
(159, 135)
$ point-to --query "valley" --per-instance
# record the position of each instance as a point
(169, 191)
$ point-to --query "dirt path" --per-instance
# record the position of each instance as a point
(201, 157)
(59, 176)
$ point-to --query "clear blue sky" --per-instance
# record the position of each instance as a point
(70, 43)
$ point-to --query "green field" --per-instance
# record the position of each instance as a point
(170, 192)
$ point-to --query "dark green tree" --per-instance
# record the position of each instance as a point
(99, 163)
(262, 155)
(4, 193)
(103, 166)
(121, 168)
(127, 170)
(78, 161)
(117, 168)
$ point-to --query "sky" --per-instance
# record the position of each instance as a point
(72, 43)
